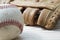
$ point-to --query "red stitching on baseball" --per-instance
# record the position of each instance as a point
(12, 22)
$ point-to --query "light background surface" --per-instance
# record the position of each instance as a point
(37, 33)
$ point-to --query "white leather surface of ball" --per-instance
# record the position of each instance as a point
(10, 18)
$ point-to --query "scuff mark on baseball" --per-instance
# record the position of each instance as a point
(11, 22)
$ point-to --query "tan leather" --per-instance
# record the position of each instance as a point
(31, 17)
(53, 18)
(27, 0)
(35, 4)
(43, 17)
(19, 7)
(26, 15)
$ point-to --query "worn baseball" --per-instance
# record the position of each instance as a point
(11, 22)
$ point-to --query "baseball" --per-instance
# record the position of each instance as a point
(11, 22)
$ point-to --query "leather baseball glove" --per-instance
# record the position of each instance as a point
(44, 13)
